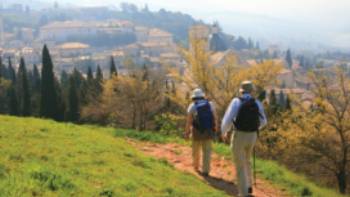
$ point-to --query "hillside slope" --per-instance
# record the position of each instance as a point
(44, 158)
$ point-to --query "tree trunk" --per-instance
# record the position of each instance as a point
(133, 123)
(341, 177)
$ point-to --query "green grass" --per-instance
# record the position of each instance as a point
(45, 158)
(294, 184)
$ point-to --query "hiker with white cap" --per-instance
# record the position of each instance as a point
(201, 126)
(245, 115)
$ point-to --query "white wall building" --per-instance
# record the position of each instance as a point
(61, 31)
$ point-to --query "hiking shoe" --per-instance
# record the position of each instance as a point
(205, 174)
(250, 190)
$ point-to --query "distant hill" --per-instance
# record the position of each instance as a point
(176, 23)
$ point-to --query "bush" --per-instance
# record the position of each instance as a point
(169, 124)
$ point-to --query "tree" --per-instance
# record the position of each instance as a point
(35, 85)
(99, 74)
(12, 102)
(142, 95)
(36, 80)
(113, 68)
(273, 106)
(99, 80)
(4, 86)
(12, 72)
(64, 79)
(49, 97)
(90, 76)
(23, 91)
(328, 138)
(2, 69)
(73, 112)
(288, 104)
(220, 82)
(289, 58)
(281, 100)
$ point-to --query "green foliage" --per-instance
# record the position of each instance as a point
(155, 137)
(73, 112)
(23, 92)
(51, 181)
(49, 94)
(4, 87)
(168, 124)
(112, 69)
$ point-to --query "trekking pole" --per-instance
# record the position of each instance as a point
(254, 167)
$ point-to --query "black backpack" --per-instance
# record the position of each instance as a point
(204, 120)
(248, 116)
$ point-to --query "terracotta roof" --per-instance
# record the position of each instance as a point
(73, 45)
(153, 44)
(86, 24)
(158, 33)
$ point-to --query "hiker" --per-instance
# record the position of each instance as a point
(201, 126)
(245, 116)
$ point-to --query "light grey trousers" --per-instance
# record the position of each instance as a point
(242, 145)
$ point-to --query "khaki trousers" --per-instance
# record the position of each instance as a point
(205, 146)
(242, 145)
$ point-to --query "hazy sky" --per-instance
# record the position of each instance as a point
(294, 20)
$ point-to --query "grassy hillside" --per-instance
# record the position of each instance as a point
(44, 158)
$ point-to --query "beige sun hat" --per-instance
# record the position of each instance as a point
(246, 87)
(197, 93)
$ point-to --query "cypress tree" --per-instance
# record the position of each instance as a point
(13, 104)
(23, 90)
(12, 72)
(36, 83)
(64, 79)
(113, 68)
(99, 80)
(99, 74)
(288, 103)
(35, 90)
(281, 100)
(2, 73)
(289, 58)
(90, 76)
(273, 102)
(61, 105)
(3, 70)
(49, 98)
(145, 75)
(73, 102)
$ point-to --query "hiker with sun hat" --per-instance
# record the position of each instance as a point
(201, 126)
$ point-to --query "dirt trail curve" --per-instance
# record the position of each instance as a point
(222, 175)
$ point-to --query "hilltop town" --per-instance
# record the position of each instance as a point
(85, 41)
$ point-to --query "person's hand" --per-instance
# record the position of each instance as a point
(187, 135)
(226, 137)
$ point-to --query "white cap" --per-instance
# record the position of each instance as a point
(197, 93)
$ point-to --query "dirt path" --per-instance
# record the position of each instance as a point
(222, 175)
